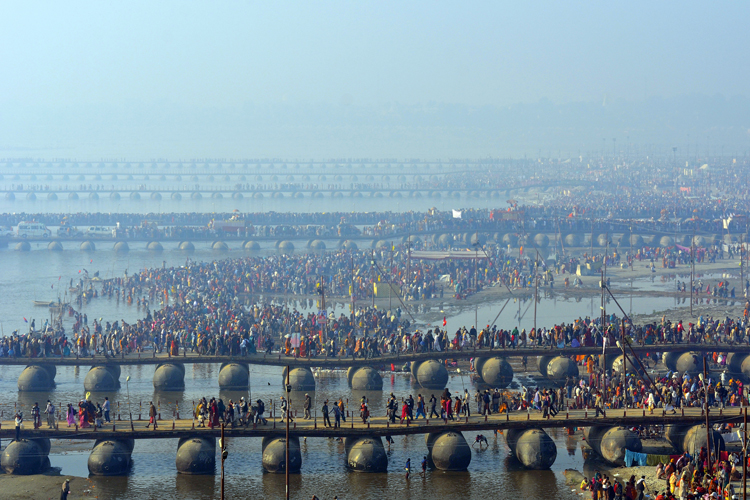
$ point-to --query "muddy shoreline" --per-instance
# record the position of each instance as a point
(44, 486)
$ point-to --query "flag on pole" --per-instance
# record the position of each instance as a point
(25, 320)
(444, 321)
(457, 214)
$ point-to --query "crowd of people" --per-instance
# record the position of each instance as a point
(689, 477)
(214, 308)
(211, 308)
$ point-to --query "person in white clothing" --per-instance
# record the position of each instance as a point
(50, 411)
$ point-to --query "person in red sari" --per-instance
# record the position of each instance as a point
(83, 415)
(405, 412)
(213, 420)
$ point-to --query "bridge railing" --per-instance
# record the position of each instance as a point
(460, 351)
(168, 419)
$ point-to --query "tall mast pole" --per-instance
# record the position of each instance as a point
(705, 403)
(325, 311)
(632, 257)
(408, 260)
(351, 271)
(744, 458)
(374, 277)
(536, 287)
(606, 255)
(602, 284)
(390, 288)
(622, 343)
(476, 280)
(603, 307)
(288, 409)
(692, 268)
(223, 447)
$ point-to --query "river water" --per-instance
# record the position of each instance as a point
(323, 460)
(38, 275)
(228, 204)
(42, 275)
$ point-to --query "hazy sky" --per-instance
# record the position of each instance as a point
(101, 58)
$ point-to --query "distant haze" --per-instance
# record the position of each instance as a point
(144, 80)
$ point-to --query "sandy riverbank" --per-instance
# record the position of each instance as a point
(49, 484)
(44, 486)
(620, 280)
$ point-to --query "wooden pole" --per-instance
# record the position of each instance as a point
(324, 327)
(605, 337)
(603, 284)
(374, 278)
(606, 255)
(476, 266)
(622, 344)
(390, 287)
(692, 268)
(744, 459)
(288, 409)
(222, 461)
(351, 271)
(630, 237)
(536, 287)
(705, 402)
(408, 259)
(476, 280)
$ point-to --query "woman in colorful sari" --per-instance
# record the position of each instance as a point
(83, 420)
(71, 415)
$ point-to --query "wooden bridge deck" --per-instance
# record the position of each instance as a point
(276, 359)
(378, 426)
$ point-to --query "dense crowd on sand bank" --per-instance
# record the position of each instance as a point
(202, 312)
(203, 306)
